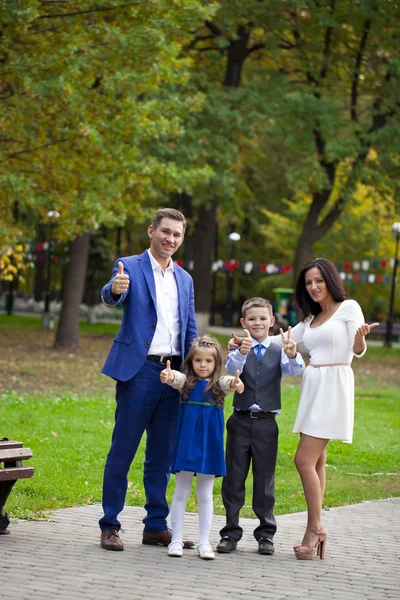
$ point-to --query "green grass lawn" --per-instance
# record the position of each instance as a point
(70, 436)
(22, 322)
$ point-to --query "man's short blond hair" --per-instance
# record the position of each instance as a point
(168, 213)
(253, 302)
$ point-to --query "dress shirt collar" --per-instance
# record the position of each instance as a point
(266, 343)
(155, 264)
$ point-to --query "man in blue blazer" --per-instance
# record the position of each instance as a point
(158, 324)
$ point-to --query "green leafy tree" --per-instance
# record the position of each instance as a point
(319, 84)
(85, 86)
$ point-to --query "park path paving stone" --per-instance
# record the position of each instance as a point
(61, 559)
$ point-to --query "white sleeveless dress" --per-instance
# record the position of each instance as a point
(326, 407)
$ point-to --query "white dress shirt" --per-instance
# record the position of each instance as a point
(166, 340)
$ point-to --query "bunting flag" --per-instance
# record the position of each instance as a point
(345, 269)
(357, 270)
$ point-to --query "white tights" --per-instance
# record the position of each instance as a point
(204, 493)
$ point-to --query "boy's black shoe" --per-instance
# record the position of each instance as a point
(226, 545)
(265, 546)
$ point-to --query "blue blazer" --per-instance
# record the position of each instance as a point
(132, 342)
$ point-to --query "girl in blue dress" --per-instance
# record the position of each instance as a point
(199, 439)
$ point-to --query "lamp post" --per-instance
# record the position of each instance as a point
(233, 237)
(389, 323)
(214, 275)
(48, 319)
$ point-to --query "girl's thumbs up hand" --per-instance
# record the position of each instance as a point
(237, 384)
(167, 375)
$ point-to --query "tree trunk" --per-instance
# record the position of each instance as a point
(303, 254)
(204, 244)
(314, 228)
(237, 53)
(183, 202)
(74, 283)
(207, 218)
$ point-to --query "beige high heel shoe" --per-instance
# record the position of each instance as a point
(306, 551)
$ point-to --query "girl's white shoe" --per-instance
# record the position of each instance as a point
(175, 549)
(205, 551)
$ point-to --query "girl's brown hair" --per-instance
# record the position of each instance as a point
(204, 342)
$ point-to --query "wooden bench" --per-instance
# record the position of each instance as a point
(12, 454)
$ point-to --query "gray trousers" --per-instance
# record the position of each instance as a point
(248, 441)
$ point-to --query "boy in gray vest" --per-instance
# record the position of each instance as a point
(252, 432)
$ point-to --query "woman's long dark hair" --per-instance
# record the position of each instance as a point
(211, 344)
(333, 283)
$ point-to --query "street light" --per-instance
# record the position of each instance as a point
(48, 319)
(389, 323)
(233, 237)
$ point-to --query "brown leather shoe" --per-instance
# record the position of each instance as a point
(110, 540)
(162, 538)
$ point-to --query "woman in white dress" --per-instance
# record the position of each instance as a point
(333, 331)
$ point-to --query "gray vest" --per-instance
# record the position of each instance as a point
(262, 381)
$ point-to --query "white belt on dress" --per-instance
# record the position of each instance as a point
(330, 365)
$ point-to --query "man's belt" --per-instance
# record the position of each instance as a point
(162, 360)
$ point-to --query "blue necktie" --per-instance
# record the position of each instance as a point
(259, 352)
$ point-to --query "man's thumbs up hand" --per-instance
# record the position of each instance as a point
(121, 281)
(247, 342)
(167, 376)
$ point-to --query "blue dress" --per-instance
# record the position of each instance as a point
(199, 438)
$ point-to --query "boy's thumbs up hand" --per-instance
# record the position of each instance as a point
(121, 281)
(167, 376)
(247, 342)
(237, 384)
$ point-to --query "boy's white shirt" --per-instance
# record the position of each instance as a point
(180, 380)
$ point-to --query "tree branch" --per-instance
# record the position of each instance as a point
(255, 47)
(357, 68)
(331, 217)
(30, 150)
(214, 48)
(298, 43)
(83, 12)
(329, 167)
(327, 45)
(213, 28)
(197, 39)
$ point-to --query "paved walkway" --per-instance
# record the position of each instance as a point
(61, 559)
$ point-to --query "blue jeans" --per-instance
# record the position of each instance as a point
(143, 404)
